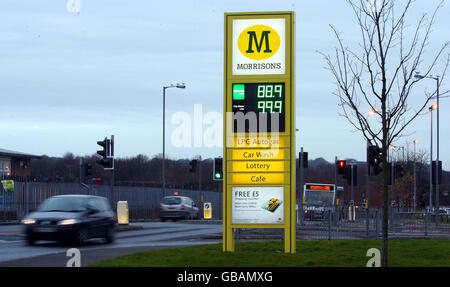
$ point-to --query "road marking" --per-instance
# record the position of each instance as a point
(9, 241)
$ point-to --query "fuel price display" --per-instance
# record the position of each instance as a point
(260, 98)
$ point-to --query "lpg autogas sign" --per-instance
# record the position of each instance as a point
(259, 46)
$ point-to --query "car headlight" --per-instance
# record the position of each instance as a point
(28, 221)
(67, 222)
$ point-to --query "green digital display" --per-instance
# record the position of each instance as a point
(268, 98)
(238, 92)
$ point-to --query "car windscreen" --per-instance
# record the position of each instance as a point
(172, 200)
(72, 204)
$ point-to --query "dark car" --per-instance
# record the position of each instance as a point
(175, 207)
(74, 218)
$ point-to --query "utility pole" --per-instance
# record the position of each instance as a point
(431, 159)
(367, 193)
(368, 180)
(200, 180)
(352, 195)
(81, 174)
(112, 170)
(301, 185)
(437, 151)
(415, 182)
(392, 180)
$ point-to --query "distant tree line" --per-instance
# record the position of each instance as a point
(142, 170)
(139, 170)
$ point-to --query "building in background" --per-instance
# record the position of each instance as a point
(15, 165)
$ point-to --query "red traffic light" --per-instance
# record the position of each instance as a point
(341, 164)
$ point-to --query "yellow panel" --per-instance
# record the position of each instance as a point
(258, 154)
(258, 166)
(258, 142)
(258, 178)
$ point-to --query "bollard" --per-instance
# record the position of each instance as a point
(123, 215)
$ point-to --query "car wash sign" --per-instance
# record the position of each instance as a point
(259, 124)
(259, 46)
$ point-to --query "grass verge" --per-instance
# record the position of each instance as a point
(314, 253)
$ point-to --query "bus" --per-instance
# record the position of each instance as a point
(318, 198)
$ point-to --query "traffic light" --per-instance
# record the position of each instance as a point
(305, 159)
(218, 169)
(96, 181)
(399, 172)
(433, 172)
(193, 165)
(374, 158)
(341, 165)
(87, 170)
(107, 160)
(105, 145)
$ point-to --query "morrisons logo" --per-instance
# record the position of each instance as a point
(258, 42)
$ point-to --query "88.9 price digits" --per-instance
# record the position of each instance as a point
(270, 98)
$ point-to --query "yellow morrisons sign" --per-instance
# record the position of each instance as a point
(259, 42)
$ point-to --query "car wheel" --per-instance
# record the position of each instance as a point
(82, 237)
(29, 241)
(110, 235)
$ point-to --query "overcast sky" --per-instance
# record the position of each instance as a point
(68, 80)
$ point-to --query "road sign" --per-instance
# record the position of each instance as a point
(258, 205)
(259, 142)
(8, 185)
(207, 210)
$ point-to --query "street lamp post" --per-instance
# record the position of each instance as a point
(415, 182)
(431, 155)
(393, 147)
(418, 76)
(179, 86)
(437, 151)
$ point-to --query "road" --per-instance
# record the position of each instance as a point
(154, 235)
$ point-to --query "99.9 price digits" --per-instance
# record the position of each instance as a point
(270, 94)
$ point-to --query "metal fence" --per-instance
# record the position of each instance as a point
(343, 223)
(143, 202)
(352, 223)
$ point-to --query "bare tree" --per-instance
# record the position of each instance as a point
(379, 76)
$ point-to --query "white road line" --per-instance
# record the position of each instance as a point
(9, 241)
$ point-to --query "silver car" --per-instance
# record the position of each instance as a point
(176, 207)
